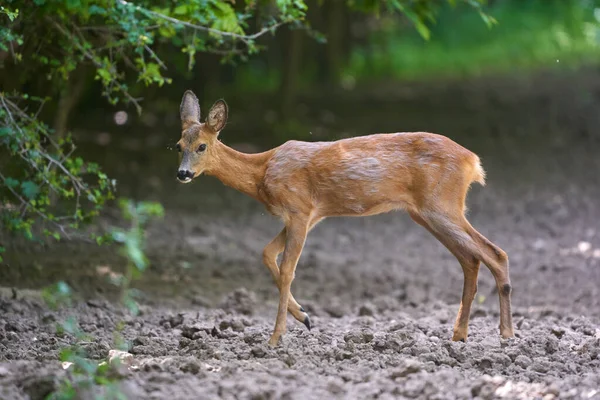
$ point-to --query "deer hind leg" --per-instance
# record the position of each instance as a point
(497, 262)
(470, 267)
(270, 254)
(455, 229)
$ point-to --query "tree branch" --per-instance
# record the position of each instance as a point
(243, 38)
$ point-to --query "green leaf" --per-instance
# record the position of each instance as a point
(96, 10)
(11, 183)
(30, 189)
(181, 10)
(66, 354)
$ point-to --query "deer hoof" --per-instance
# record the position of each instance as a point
(307, 322)
(273, 341)
(459, 338)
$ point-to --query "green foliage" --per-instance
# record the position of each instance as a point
(530, 34)
(84, 373)
(43, 182)
(132, 245)
(57, 295)
(9, 13)
(420, 12)
(46, 168)
(116, 36)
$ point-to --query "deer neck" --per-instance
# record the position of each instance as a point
(240, 171)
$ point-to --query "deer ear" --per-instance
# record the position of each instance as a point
(189, 110)
(217, 116)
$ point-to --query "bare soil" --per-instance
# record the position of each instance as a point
(381, 292)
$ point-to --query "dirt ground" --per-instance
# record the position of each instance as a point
(382, 294)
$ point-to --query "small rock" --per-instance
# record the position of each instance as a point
(123, 357)
(4, 371)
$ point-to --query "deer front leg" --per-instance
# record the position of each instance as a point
(296, 230)
(272, 250)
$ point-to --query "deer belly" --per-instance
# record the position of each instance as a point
(351, 204)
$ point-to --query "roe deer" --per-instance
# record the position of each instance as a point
(302, 183)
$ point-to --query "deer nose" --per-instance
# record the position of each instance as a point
(184, 175)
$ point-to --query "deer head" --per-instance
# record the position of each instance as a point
(196, 146)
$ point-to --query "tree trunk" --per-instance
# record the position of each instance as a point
(335, 37)
(69, 96)
(291, 67)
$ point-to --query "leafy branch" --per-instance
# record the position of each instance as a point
(46, 168)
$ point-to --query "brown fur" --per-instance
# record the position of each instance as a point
(426, 174)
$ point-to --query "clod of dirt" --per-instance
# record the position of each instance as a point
(409, 367)
(97, 349)
(196, 331)
(259, 351)
(523, 361)
(485, 363)
(140, 341)
(172, 321)
(236, 325)
(254, 337)
(190, 366)
(359, 337)
(240, 301)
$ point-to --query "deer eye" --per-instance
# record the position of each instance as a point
(201, 148)
(178, 147)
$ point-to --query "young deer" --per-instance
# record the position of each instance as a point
(302, 183)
